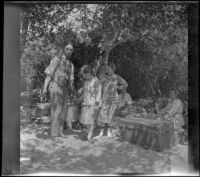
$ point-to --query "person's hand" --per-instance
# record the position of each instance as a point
(161, 112)
(71, 86)
(44, 95)
(79, 100)
(44, 91)
(120, 88)
(97, 104)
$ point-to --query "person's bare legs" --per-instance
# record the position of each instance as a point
(90, 131)
(109, 131)
(69, 124)
(101, 132)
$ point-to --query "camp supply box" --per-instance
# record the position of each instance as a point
(148, 133)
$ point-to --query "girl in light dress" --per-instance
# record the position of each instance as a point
(91, 99)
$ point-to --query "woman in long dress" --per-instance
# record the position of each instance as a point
(173, 111)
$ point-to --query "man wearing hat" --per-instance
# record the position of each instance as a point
(60, 82)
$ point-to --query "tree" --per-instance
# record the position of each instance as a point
(151, 38)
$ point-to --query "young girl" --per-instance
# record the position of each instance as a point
(110, 84)
(91, 97)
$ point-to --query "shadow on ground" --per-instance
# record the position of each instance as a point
(73, 154)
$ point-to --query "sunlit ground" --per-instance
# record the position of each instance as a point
(73, 155)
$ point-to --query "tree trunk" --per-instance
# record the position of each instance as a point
(120, 36)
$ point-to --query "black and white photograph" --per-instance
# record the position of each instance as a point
(103, 89)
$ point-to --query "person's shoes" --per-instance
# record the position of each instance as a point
(109, 134)
(67, 126)
(99, 136)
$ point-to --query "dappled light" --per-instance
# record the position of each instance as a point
(149, 46)
(105, 156)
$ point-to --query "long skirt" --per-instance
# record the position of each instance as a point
(106, 113)
(88, 115)
(178, 123)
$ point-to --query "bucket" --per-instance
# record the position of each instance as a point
(42, 109)
(43, 106)
(72, 113)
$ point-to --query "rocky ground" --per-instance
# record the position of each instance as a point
(74, 155)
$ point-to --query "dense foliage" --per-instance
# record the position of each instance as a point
(148, 42)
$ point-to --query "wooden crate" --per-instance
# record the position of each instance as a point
(148, 133)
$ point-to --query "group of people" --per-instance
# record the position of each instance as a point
(99, 96)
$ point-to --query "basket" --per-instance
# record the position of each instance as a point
(43, 106)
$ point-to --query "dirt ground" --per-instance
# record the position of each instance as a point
(73, 155)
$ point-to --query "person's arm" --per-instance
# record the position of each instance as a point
(71, 78)
(49, 71)
(175, 107)
(164, 110)
(123, 84)
(46, 84)
(71, 81)
(129, 99)
(80, 95)
(98, 93)
(80, 99)
(80, 91)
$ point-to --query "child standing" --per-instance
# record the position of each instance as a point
(111, 83)
(91, 98)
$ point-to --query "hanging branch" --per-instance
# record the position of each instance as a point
(120, 36)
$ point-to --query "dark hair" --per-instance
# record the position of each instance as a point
(87, 69)
(106, 69)
(175, 91)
